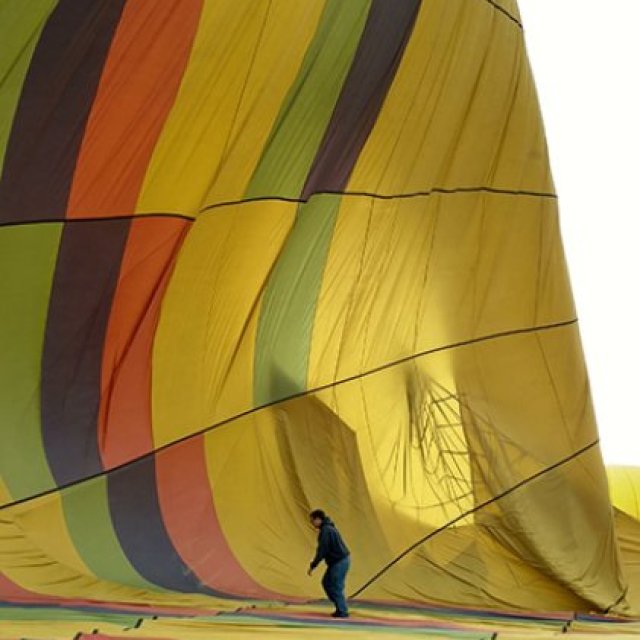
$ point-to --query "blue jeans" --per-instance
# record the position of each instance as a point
(333, 583)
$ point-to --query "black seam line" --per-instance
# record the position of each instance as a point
(495, 5)
(230, 203)
(621, 597)
(482, 505)
(138, 216)
(248, 412)
(384, 196)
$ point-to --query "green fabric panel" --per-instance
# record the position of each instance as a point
(87, 514)
(305, 114)
(288, 311)
(27, 262)
(20, 26)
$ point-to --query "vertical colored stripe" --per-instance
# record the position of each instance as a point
(294, 24)
(138, 521)
(27, 262)
(193, 140)
(84, 282)
(284, 333)
(111, 166)
(386, 291)
(20, 27)
(305, 113)
(461, 110)
(125, 402)
(208, 314)
(245, 57)
(288, 310)
(379, 53)
(191, 520)
(86, 509)
(141, 78)
(53, 109)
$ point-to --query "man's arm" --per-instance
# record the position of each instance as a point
(321, 551)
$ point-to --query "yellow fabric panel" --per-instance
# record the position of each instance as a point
(543, 521)
(206, 314)
(268, 470)
(510, 6)
(39, 518)
(417, 473)
(409, 275)
(546, 519)
(36, 560)
(356, 316)
(447, 425)
(533, 370)
(624, 488)
(268, 81)
(232, 90)
(491, 573)
(628, 537)
(388, 488)
(462, 109)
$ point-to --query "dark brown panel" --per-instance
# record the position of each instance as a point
(53, 109)
(383, 41)
(84, 283)
(139, 525)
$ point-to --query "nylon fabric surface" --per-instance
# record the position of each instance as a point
(261, 257)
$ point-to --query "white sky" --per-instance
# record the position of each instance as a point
(585, 56)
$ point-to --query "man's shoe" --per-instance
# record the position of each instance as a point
(339, 614)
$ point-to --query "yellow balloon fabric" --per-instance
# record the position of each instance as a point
(624, 488)
(264, 256)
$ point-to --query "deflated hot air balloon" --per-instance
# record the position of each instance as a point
(263, 256)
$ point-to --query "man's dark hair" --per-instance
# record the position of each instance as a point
(318, 513)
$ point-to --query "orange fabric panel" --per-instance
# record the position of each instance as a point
(141, 78)
(125, 398)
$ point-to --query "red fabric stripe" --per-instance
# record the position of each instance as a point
(125, 398)
(141, 78)
(11, 592)
(189, 515)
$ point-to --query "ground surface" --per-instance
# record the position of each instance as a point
(274, 621)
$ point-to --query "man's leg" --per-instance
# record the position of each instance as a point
(339, 575)
(327, 585)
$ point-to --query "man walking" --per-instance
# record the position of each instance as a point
(333, 550)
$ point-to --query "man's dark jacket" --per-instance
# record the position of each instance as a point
(331, 546)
